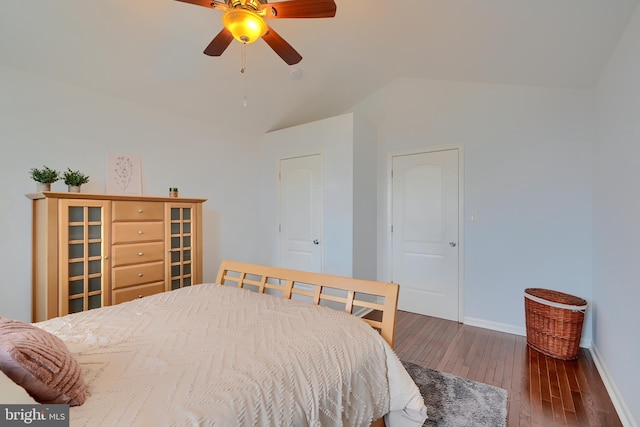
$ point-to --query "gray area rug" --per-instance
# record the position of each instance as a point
(458, 402)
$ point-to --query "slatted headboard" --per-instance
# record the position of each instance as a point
(319, 289)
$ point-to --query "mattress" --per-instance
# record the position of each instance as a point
(223, 356)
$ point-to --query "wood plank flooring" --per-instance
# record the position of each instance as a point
(543, 391)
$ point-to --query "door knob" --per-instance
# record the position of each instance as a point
(452, 244)
(316, 242)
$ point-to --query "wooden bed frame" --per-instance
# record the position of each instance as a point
(319, 289)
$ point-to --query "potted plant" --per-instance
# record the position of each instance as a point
(74, 179)
(44, 177)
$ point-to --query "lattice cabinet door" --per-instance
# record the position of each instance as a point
(83, 248)
(184, 249)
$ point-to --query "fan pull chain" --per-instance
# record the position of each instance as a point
(244, 79)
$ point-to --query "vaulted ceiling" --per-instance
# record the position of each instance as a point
(149, 52)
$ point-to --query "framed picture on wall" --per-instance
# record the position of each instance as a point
(124, 174)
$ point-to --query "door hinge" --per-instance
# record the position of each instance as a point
(392, 228)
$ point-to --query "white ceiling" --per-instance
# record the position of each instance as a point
(149, 52)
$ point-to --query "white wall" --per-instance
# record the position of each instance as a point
(528, 175)
(365, 201)
(335, 138)
(616, 222)
(42, 122)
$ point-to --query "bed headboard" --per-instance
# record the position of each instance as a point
(320, 289)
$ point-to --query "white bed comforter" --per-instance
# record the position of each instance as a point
(223, 356)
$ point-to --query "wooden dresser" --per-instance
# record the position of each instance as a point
(95, 250)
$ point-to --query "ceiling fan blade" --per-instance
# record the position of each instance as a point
(301, 9)
(210, 4)
(281, 47)
(220, 43)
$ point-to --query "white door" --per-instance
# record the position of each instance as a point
(301, 213)
(425, 232)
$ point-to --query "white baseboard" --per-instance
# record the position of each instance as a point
(362, 311)
(616, 398)
(510, 329)
(495, 326)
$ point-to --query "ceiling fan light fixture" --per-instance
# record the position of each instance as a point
(245, 25)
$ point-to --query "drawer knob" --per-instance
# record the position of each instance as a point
(140, 274)
(140, 296)
(140, 254)
(140, 211)
(140, 232)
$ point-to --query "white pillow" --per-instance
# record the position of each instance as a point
(12, 393)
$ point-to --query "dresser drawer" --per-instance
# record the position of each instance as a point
(135, 292)
(137, 211)
(136, 253)
(131, 232)
(132, 275)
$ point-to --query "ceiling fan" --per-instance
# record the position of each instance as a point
(244, 20)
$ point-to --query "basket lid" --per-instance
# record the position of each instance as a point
(555, 296)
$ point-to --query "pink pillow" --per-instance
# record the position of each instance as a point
(41, 363)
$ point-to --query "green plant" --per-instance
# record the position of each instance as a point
(46, 175)
(74, 177)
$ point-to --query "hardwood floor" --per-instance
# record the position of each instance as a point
(543, 391)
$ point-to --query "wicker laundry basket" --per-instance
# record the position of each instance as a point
(554, 322)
